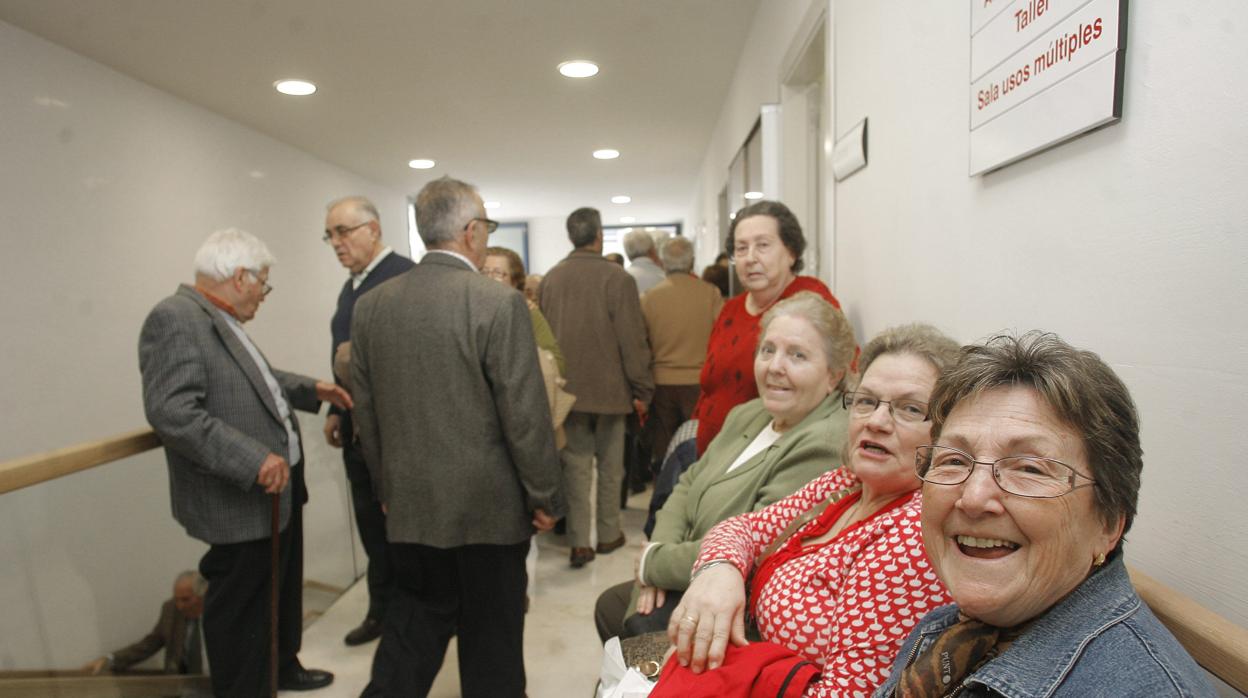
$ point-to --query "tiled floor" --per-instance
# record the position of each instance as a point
(562, 651)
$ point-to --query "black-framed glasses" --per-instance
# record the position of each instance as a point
(340, 231)
(490, 225)
(862, 404)
(1025, 476)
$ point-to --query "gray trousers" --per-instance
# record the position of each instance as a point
(593, 436)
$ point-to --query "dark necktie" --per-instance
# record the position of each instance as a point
(192, 651)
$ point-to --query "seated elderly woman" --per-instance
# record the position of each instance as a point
(1030, 545)
(838, 572)
(768, 448)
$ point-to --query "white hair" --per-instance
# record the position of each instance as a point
(227, 250)
(638, 243)
(677, 254)
(360, 204)
(199, 585)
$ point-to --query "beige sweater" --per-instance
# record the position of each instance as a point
(680, 312)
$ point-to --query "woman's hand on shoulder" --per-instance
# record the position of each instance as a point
(709, 616)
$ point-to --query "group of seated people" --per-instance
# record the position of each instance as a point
(837, 537)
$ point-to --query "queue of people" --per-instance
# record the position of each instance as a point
(833, 530)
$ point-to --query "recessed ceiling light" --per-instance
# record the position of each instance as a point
(752, 195)
(578, 69)
(492, 204)
(421, 164)
(607, 154)
(627, 219)
(621, 199)
(296, 88)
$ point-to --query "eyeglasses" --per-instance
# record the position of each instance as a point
(865, 404)
(490, 225)
(1025, 476)
(267, 289)
(341, 231)
(500, 274)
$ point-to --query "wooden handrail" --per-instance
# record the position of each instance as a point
(41, 467)
(1217, 644)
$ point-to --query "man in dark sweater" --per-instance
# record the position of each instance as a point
(353, 230)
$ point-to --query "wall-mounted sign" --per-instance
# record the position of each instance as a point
(1042, 72)
(850, 152)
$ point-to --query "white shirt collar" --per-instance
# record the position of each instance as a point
(357, 279)
(458, 256)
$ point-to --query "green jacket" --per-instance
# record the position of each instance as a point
(706, 494)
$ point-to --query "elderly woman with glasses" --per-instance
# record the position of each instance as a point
(837, 575)
(505, 266)
(1030, 482)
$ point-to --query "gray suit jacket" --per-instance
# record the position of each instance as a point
(451, 407)
(207, 400)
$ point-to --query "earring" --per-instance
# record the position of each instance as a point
(1098, 560)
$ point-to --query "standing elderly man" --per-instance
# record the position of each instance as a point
(593, 307)
(177, 631)
(353, 230)
(643, 260)
(231, 440)
(455, 427)
(680, 313)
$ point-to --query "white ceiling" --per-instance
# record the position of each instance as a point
(469, 83)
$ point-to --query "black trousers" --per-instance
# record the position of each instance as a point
(236, 607)
(612, 604)
(371, 523)
(475, 592)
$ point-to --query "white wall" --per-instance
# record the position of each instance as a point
(548, 242)
(756, 82)
(107, 189)
(1128, 241)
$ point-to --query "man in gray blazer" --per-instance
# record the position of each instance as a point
(456, 430)
(224, 417)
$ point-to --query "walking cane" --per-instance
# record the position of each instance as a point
(276, 519)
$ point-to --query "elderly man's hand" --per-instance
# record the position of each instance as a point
(542, 521)
(708, 617)
(333, 433)
(274, 474)
(328, 392)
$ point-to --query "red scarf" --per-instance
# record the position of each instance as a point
(217, 301)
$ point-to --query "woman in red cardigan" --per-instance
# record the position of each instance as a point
(766, 244)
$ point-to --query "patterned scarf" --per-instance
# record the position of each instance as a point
(956, 654)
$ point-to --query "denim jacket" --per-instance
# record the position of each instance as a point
(1100, 640)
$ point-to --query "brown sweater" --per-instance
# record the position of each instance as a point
(680, 312)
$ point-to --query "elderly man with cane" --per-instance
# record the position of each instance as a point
(233, 448)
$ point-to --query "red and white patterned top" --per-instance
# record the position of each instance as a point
(847, 604)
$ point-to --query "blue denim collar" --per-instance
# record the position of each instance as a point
(1042, 657)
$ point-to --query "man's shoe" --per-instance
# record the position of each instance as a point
(305, 680)
(604, 548)
(368, 631)
(580, 556)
